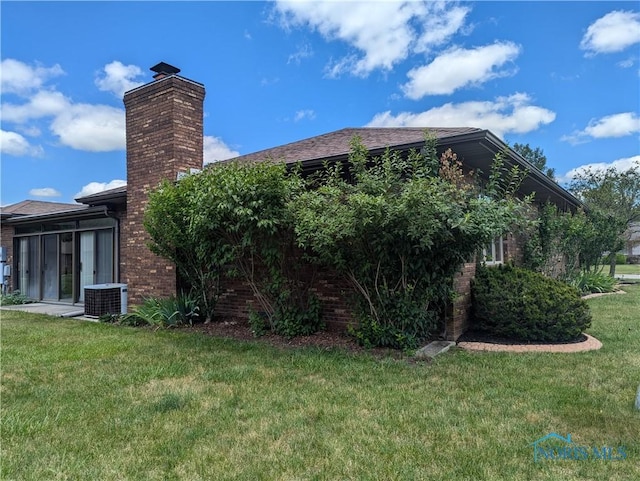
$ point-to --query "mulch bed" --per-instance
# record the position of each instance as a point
(479, 336)
(239, 329)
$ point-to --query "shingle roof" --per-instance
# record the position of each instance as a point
(36, 207)
(105, 195)
(337, 143)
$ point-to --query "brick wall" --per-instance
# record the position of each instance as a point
(164, 122)
(459, 315)
(6, 240)
(237, 300)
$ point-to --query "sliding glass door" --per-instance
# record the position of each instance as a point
(65, 283)
(29, 267)
(50, 267)
(57, 266)
(87, 264)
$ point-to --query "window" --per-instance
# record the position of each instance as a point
(493, 253)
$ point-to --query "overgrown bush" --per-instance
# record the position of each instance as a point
(177, 233)
(169, 312)
(412, 323)
(288, 321)
(398, 227)
(232, 220)
(592, 282)
(14, 298)
(526, 306)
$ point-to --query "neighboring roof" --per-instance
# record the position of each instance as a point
(117, 195)
(338, 143)
(36, 207)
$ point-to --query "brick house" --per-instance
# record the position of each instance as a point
(57, 249)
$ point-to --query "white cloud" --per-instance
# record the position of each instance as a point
(95, 128)
(627, 63)
(459, 67)
(616, 125)
(45, 192)
(45, 103)
(20, 78)
(613, 32)
(30, 130)
(118, 78)
(215, 149)
(96, 187)
(384, 33)
(512, 114)
(304, 114)
(12, 143)
(303, 51)
(87, 127)
(621, 165)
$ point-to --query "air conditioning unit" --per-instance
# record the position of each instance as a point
(101, 299)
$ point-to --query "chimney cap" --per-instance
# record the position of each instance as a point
(165, 68)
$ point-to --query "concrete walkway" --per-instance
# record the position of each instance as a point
(57, 310)
(627, 276)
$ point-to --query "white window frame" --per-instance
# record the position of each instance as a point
(495, 256)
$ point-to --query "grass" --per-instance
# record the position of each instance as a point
(624, 269)
(94, 401)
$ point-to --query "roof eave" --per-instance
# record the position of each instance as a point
(63, 215)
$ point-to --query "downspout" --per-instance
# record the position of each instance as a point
(116, 242)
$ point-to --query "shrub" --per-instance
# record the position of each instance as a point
(14, 298)
(288, 321)
(398, 228)
(590, 282)
(405, 325)
(621, 259)
(526, 306)
(170, 312)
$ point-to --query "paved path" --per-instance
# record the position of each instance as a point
(58, 310)
(627, 276)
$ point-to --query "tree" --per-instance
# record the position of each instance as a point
(398, 228)
(170, 221)
(536, 158)
(613, 204)
(232, 221)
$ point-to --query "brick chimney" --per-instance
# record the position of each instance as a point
(164, 125)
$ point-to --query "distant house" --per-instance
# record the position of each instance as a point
(632, 247)
(57, 249)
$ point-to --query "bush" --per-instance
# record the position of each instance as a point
(526, 306)
(14, 298)
(621, 259)
(289, 321)
(592, 282)
(405, 325)
(170, 312)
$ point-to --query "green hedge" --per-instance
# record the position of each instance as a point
(526, 306)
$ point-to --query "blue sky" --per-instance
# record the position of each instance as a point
(562, 76)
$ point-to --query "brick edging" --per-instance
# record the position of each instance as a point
(590, 344)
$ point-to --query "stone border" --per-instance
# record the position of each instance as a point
(590, 344)
(600, 294)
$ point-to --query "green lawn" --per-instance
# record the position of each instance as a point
(624, 269)
(85, 401)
